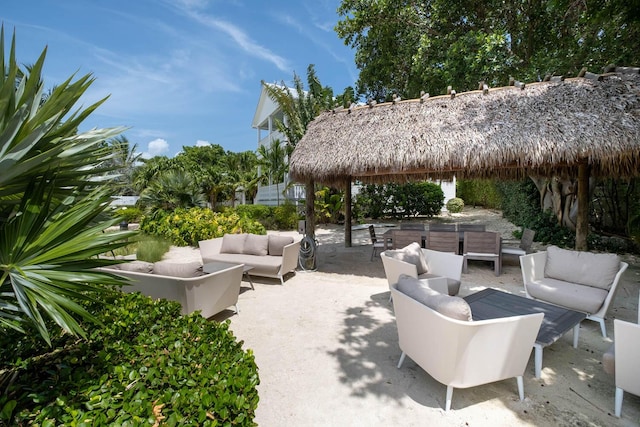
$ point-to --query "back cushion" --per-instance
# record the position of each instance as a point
(585, 268)
(256, 244)
(135, 266)
(411, 254)
(178, 269)
(233, 243)
(277, 244)
(453, 307)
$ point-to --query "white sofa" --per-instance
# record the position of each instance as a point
(442, 270)
(580, 281)
(270, 255)
(435, 331)
(184, 283)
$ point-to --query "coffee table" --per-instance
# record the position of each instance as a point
(212, 267)
(492, 304)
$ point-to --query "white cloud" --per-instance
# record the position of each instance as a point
(201, 143)
(157, 147)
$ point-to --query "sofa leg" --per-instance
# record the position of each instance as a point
(402, 356)
(618, 402)
(520, 387)
(447, 404)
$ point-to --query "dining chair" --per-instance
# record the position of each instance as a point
(482, 246)
(525, 244)
(413, 226)
(436, 226)
(443, 241)
(402, 238)
(374, 241)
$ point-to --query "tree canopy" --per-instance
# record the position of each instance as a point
(404, 47)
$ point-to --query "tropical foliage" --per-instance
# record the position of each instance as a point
(52, 200)
(399, 200)
(184, 227)
(146, 365)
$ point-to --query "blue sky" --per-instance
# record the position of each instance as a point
(180, 72)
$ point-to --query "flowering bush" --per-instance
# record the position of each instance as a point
(184, 227)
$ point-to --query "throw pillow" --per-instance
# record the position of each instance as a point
(277, 244)
(256, 244)
(411, 254)
(233, 243)
(178, 269)
(453, 307)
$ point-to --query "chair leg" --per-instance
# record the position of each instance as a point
(447, 404)
(402, 356)
(603, 328)
(373, 253)
(464, 265)
(618, 404)
(520, 387)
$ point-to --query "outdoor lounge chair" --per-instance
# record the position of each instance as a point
(446, 268)
(460, 353)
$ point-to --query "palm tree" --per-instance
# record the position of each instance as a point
(126, 158)
(52, 201)
(274, 164)
(170, 190)
(299, 109)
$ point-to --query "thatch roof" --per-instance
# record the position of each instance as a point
(507, 132)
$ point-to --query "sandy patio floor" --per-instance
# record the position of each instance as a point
(326, 346)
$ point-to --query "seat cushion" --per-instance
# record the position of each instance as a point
(256, 244)
(277, 244)
(586, 299)
(453, 285)
(178, 269)
(585, 268)
(233, 243)
(411, 254)
(262, 265)
(453, 307)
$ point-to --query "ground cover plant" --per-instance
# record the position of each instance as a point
(145, 365)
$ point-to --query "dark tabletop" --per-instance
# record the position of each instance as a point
(493, 304)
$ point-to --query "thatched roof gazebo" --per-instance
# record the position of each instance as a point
(589, 124)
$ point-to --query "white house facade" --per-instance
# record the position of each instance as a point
(264, 121)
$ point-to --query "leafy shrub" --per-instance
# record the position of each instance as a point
(479, 192)
(151, 248)
(184, 227)
(286, 216)
(328, 205)
(131, 215)
(455, 205)
(402, 200)
(145, 364)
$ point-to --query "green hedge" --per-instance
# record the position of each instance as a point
(283, 217)
(398, 200)
(184, 227)
(145, 364)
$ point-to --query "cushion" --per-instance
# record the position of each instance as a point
(453, 307)
(277, 244)
(411, 254)
(233, 243)
(587, 299)
(178, 269)
(135, 266)
(256, 244)
(585, 268)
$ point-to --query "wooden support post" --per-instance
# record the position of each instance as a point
(582, 221)
(347, 214)
(310, 214)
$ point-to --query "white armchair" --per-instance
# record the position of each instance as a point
(580, 281)
(627, 353)
(462, 354)
(444, 268)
